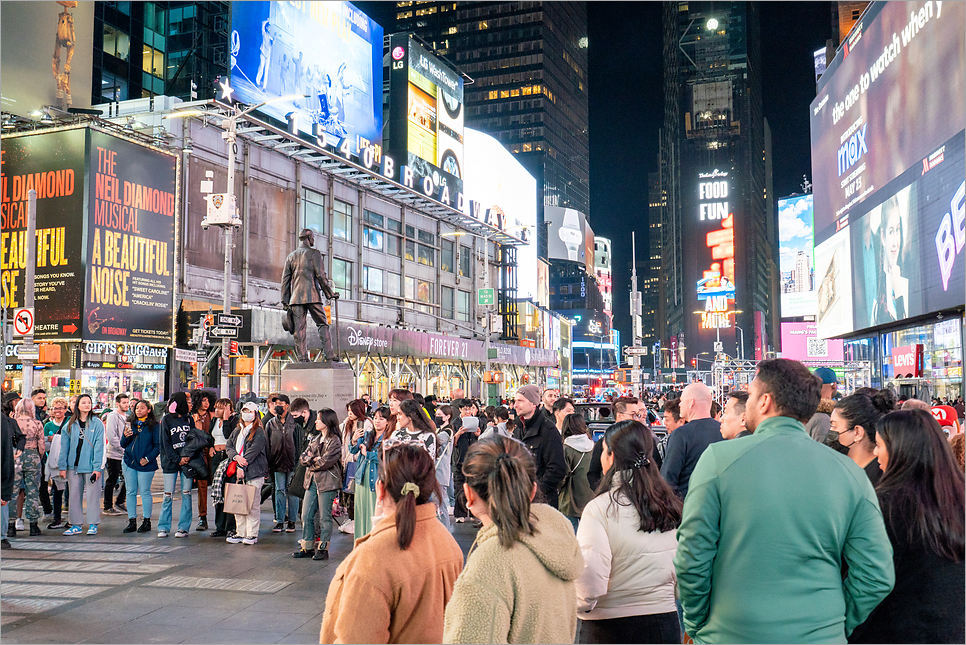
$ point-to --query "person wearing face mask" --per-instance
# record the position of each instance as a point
(141, 442)
(281, 461)
(852, 431)
(305, 427)
(323, 478)
(223, 422)
(369, 448)
(248, 448)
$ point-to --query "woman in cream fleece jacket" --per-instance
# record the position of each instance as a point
(627, 538)
(518, 584)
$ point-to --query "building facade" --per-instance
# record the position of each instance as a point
(718, 237)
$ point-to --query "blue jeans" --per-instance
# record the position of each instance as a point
(138, 482)
(5, 518)
(282, 480)
(184, 519)
(316, 502)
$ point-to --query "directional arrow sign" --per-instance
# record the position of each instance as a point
(229, 320)
(224, 332)
(635, 351)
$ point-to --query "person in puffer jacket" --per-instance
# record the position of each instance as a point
(141, 441)
(518, 582)
(627, 537)
(81, 462)
(175, 426)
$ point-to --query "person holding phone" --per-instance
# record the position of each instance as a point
(141, 442)
(80, 462)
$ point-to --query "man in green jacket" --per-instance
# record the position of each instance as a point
(769, 523)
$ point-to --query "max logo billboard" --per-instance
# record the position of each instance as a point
(852, 150)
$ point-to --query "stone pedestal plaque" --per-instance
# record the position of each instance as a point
(323, 384)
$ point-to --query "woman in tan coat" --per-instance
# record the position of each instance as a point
(394, 586)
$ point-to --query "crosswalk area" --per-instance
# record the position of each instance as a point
(38, 576)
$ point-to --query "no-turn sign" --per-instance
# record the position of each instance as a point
(23, 321)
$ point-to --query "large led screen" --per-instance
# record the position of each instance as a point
(566, 238)
(797, 257)
(801, 342)
(714, 225)
(500, 192)
(328, 51)
(888, 168)
(426, 117)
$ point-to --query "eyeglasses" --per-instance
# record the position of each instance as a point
(638, 416)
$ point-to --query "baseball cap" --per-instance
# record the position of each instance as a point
(827, 374)
(945, 415)
(252, 406)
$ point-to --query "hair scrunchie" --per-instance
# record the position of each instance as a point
(409, 487)
(641, 462)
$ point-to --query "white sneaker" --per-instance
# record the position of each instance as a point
(349, 527)
(181, 534)
(162, 534)
(19, 524)
(250, 541)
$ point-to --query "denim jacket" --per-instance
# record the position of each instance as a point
(367, 463)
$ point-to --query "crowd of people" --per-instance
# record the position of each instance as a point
(787, 514)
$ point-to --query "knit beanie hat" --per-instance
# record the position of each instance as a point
(531, 393)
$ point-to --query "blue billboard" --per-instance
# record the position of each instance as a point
(329, 51)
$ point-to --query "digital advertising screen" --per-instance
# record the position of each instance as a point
(801, 342)
(796, 246)
(713, 225)
(887, 130)
(426, 117)
(501, 193)
(566, 238)
(330, 52)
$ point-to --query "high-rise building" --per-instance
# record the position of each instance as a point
(652, 289)
(718, 237)
(146, 49)
(844, 17)
(528, 62)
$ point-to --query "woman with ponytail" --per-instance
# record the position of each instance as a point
(518, 584)
(852, 432)
(396, 583)
(627, 538)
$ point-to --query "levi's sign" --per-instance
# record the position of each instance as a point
(907, 361)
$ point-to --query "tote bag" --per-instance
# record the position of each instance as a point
(239, 498)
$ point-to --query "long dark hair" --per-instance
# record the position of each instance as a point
(574, 424)
(402, 464)
(329, 417)
(640, 482)
(501, 471)
(390, 418)
(414, 411)
(132, 417)
(922, 488)
(358, 408)
(76, 410)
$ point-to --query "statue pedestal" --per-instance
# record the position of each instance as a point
(323, 384)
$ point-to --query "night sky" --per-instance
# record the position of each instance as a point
(627, 110)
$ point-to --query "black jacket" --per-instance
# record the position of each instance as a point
(281, 444)
(10, 436)
(196, 445)
(174, 433)
(255, 453)
(543, 440)
(684, 447)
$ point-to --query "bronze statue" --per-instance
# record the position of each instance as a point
(302, 280)
(64, 38)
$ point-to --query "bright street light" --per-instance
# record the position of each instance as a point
(712, 24)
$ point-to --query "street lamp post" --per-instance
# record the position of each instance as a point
(230, 124)
(742, 347)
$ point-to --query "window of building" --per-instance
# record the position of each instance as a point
(410, 250)
(117, 43)
(113, 88)
(446, 297)
(394, 225)
(465, 261)
(342, 222)
(152, 61)
(374, 218)
(411, 232)
(426, 255)
(342, 277)
(373, 238)
(391, 282)
(446, 255)
(372, 281)
(393, 246)
(313, 211)
(463, 306)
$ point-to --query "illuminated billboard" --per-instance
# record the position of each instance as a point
(796, 242)
(329, 51)
(715, 223)
(426, 117)
(887, 131)
(801, 342)
(501, 193)
(567, 237)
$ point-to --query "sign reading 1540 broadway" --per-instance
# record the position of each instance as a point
(105, 247)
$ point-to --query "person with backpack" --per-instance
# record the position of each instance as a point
(575, 491)
(175, 426)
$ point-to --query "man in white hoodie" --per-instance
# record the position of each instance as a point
(113, 431)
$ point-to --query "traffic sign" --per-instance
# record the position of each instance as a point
(23, 321)
(486, 297)
(224, 332)
(635, 351)
(29, 352)
(229, 320)
(233, 347)
(635, 376)
(185, 355)
(719, 347)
